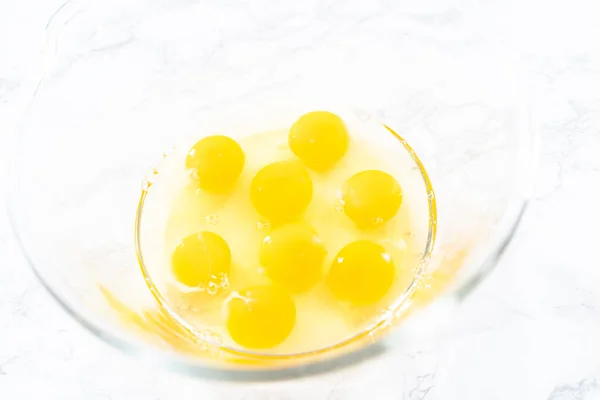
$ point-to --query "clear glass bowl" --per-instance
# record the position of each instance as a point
(124, 81)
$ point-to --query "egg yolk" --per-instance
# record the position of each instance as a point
(319, 139)
(371, 198)
(292, 256)
(260, 317)
(200, 258)
(281, 191)
(217, 161)
(361, 273)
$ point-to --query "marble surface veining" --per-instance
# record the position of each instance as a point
(530, 331)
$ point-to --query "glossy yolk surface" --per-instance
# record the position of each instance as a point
(200, 258)
(319, 139)
(283, 223)
(217, 162)
(371, 198)
(281, 191)
(293, 256)
(361, 273)
(260, 317)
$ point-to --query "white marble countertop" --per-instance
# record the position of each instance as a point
(531, 331)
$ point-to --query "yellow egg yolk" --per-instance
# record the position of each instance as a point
(217, 161)
(281, 191)
(319, 139)
(201, 258)
(371, 198)
(361, 273)
(292, 256)
(260, 317)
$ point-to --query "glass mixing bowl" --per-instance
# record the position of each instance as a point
(124, 81)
